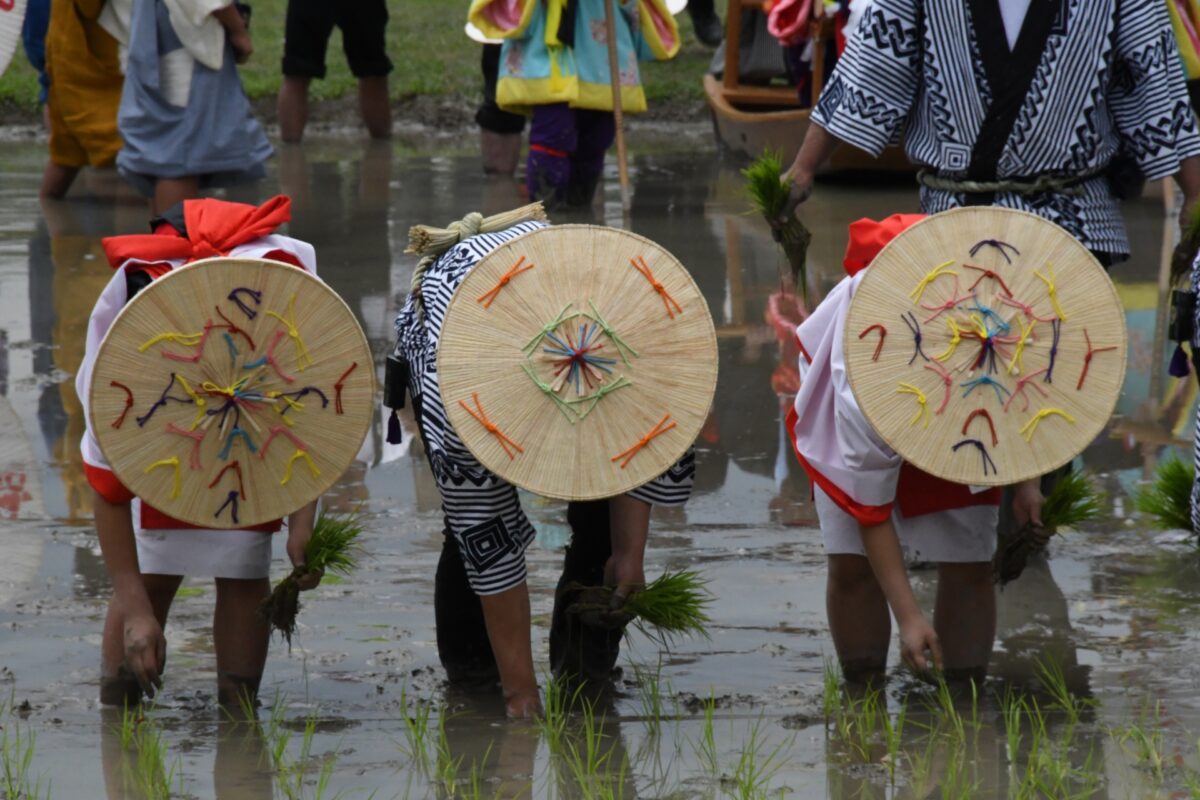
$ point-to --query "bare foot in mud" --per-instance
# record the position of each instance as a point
(523, 705)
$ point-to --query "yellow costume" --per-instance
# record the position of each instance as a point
(83, 63)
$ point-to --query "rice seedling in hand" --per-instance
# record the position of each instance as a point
(769, 196)
(1073, 501)
(334, 547)
(674, 605)
(1168, 501)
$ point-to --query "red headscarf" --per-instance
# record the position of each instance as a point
(868, 237)
(214, 228)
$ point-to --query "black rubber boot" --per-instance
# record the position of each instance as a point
(579, 651)
(462, 639)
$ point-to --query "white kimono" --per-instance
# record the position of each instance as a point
(855, 474)
(170, 551)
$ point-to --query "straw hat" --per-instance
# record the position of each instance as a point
(12, 17)
(578, 362)
(162, 404)
(986, 346)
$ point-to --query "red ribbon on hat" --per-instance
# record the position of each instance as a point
(214, 228)
(868, 237)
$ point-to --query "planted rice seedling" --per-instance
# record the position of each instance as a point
(334, 548)
(415, 716)
(893, 733)
(589, 757)
(17, 747)
(650, 697)
(768, 194)
(706, 747)
(152, 775)
(1168, 500)
(1144, 740)
(831, 696)
(559, 700)
(756, 766)
(1053, 680)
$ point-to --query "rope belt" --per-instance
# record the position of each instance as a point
(1069, 185)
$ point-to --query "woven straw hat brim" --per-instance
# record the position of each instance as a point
(491, 358)
(12, 19)
(996, 414)
(179, 456)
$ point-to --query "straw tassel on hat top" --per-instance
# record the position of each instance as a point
(986, 346)
(231, 392)
(578, 362)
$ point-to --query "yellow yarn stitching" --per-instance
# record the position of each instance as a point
(929, 278)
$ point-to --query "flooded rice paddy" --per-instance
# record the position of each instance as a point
(1094, 678)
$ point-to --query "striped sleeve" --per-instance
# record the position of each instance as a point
(1148, 92)
(874, 85)
(673, 487)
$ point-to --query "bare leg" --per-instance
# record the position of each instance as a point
(507, 618)
(57, 180)
(292, 107)
(169, 191)
(859, 620)
(965, 619)
(241, 637)
(375, 107)
(629, 525)
(117, 685)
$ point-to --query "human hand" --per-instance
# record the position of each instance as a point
(916, 637)
(522, 704)
(145, 650)
(800, 187)
(1027, 502)
(300, 530)
(243, 46)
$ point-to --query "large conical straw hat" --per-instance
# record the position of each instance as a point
(578, 362)
(231, 392)
(986, 346)
(12, 17)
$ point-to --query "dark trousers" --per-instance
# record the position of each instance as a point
(566, 153)
(575, 650)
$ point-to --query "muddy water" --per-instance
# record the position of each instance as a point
(1113, 606)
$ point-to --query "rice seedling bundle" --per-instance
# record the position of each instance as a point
(1168, 501)
(1073, 501)
(769, 196)
(673, 605)
(334, 547)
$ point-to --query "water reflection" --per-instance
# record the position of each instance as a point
(1107, 603)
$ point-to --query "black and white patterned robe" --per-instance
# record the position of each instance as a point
(482, 511)
(1102, 76)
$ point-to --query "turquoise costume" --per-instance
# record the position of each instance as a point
(546, 59)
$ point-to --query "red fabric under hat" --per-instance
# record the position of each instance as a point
(868, 237)
(214, 227)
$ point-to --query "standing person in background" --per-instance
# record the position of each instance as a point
(705, 22)
(83, 71)
(363, 24)
(499, 131)
(33, 39)
(1040, 105)
(554, 65)
(185, 119)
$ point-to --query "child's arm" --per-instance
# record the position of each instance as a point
(887, 562)
(300, 530)
(145, 646)
(235, 28)
(629, 526)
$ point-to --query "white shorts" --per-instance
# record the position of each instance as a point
(204, 553)
(964, 535)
